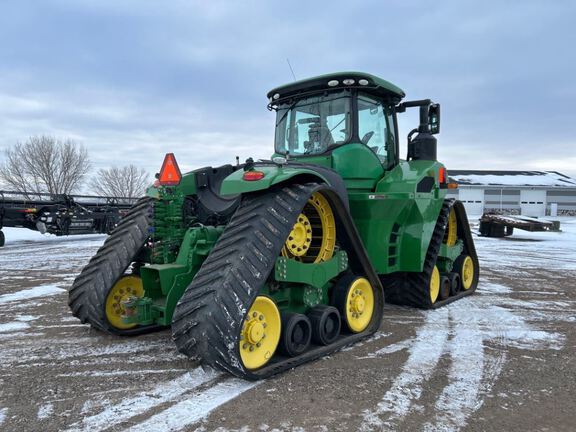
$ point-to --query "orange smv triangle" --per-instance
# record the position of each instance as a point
(170, 173)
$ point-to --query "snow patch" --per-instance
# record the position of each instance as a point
(13, 327)
(389, 349)
(3, 412)
(26, 318)
(40, 291)
(542, 179)
(45, 411)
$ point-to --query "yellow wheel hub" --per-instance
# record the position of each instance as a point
(359, 305)
(125, 289)
(451, 234)
(260, 333)
(313, 237)
(434, 285)
(300, 237)
(467, 273)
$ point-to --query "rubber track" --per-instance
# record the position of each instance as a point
(413, 289)
(87, 297)
(208, 317)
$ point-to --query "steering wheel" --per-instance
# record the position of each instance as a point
(367, 137)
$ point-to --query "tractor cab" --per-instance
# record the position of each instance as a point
(346, 121)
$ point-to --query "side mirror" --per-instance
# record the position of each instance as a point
(434, 118)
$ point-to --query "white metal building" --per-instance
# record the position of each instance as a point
(530, 193)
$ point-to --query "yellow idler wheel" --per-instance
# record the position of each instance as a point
(451, 233)
(465, 266)
(260, 333)
(126, 288)
(354, 298)
(434, 285)
(313, 237)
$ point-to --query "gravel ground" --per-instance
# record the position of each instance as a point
(502, 359)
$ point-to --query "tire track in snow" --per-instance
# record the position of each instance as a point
(195, 408)
(472, 374)
(461, 397)
(145, 401)
(197, 404)
(424, 356)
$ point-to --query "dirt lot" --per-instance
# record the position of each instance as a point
(503, 359)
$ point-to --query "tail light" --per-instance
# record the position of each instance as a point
(442, 175)
(253, 175)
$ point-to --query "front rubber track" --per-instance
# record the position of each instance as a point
(208, 317)
(413, 289)
(87, 297)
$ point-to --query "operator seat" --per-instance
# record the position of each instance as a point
(320, 134)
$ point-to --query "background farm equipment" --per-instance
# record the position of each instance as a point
(60, 214)
(494, 225)
(262, 266)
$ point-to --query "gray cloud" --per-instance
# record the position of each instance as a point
(135, 79)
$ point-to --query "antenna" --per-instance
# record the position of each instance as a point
(291, 70)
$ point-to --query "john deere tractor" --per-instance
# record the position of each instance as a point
(262, 266)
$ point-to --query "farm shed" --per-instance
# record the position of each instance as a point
(530, 193)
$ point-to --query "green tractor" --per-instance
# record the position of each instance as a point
(262, 266)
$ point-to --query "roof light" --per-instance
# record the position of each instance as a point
(276, 96)
(348, 81)
(253, 175)
(363, 82)
(279, 160)
(170, 174)
(333, 83)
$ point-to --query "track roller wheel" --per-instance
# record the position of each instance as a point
(465, 267)
(296, 334)
(325, 324)
(354, 298)
(434, 285)
(260, 333)
(444, 288)
(454, 283)
(125, 289)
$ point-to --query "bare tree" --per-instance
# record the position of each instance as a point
(127, 181)
(44, 164)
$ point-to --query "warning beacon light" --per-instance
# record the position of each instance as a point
(170, 174)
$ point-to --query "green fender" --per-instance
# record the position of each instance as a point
(234, 184)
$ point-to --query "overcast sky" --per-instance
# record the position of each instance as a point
(132, 80)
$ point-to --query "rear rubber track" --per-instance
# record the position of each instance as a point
(208, 317)
(413, 289)
(87, 297)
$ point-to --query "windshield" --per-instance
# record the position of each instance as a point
(310, 125)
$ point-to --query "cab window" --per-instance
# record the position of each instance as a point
(372, 126)
(313, 124)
